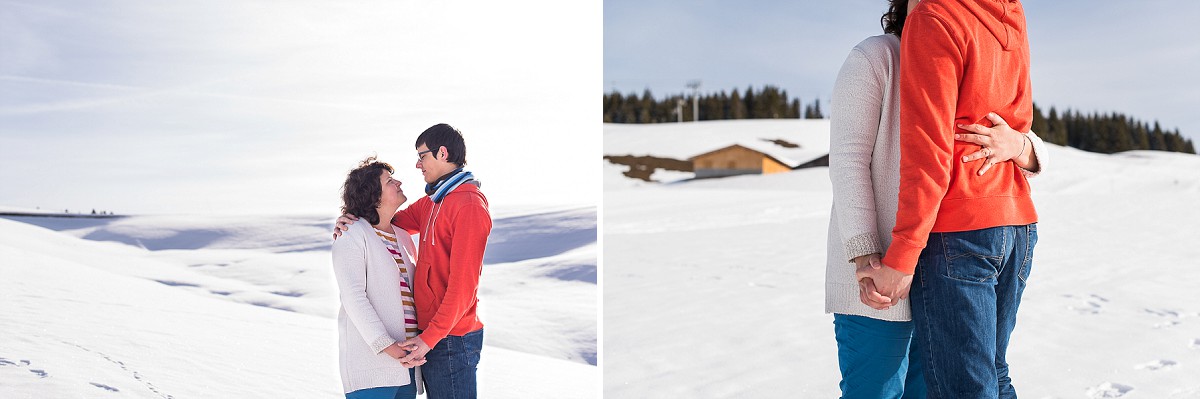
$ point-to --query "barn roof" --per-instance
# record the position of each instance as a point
(683, 140)
(791, 157)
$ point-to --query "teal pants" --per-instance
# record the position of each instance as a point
(402, 392)
(877, 360)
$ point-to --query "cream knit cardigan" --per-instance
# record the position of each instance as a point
(864, 166)
(371, 317)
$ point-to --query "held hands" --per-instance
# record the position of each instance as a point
(343, 224)
(880, 287)
(1000, 142)
(867, 292)
(416, 351)
(397, 351)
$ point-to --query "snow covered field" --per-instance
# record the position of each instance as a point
(714, 288)
(237, 306)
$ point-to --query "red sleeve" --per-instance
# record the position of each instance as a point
(931, 65)
(472, 224)
(409, 218)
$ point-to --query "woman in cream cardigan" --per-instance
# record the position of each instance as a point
(874, 333)
(373, 266)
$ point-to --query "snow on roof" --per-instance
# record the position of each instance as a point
(686, 140)
(792, 157)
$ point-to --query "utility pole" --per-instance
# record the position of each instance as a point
(679, 109)
(695, 86)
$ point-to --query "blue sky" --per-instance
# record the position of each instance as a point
(1139, 57)
(232, 106)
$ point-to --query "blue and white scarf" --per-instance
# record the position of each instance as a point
(438, 190)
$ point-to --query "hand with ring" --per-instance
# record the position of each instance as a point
(1000, 142)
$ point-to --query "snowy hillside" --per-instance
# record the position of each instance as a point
(714, 288)
(190, 306)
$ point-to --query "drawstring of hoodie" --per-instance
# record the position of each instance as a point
(427, 234)
(1007, 32)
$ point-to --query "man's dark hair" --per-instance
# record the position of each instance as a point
(443, 135)
(361, 192)
(893, 19)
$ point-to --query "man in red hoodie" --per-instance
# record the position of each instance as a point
(967, 236)
(453, 223)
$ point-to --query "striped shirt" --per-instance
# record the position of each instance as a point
(404, 266)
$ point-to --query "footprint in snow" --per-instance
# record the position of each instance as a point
(134, 373)
(19, 363)
(1157, 365)
(105, 387)
(1164, 313)
(22, 363)
(1087, 306)
(1195, 344)
(1172, 317)
(1108, 390)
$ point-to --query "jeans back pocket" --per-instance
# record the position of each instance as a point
(976, 255)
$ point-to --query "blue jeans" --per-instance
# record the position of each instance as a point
(449, 368)
(965, 295)
(402, 392)
(876, 359)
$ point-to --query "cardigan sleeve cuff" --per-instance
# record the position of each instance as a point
(382, 343)
(862, 244)
(1039, 153)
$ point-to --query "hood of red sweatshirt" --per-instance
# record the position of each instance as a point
(1002, 18)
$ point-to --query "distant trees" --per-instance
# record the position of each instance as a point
(1095, 132)
(1106, 133)
(94, 212)
(813, 111)
(770, 102)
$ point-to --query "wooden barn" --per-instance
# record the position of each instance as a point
(746, 158)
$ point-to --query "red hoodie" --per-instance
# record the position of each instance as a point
(454, 234)
(959, 60)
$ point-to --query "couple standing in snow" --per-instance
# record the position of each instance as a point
(400, 311)
(932, 231)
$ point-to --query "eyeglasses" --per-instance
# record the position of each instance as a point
(421, 155)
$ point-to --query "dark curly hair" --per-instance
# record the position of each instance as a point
(361, 192)
(893, 19)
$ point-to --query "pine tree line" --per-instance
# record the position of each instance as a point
(770, 102)
(1095, 132)
(1106, 133)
